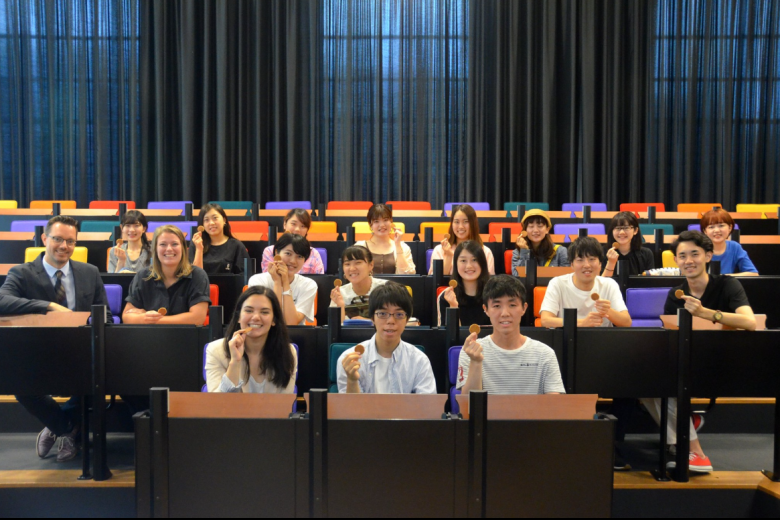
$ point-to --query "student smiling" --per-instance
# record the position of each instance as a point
(718, 226)
(464, 225)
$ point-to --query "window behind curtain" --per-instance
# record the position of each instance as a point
(69, 115)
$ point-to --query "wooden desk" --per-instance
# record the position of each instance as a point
(670, 322)
(52, 319)
(4, 268)
(198, 405)
(545, 272)
(581, 407)
(385, 406)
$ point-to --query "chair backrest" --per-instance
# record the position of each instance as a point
(19, 226)
(439, 228)
(478, 206)
(495, 228)
(99, 226)
(649, 229)
(111, 204)
(324, 256)
(350, 204)
(428, 256)
(249, 226)
(411, 205)
(637, 207)
(452, 363)
(12, 204)
(79, 254)
(323, 227)
(667, 259)
(741, 208)
(214, 295)
(364, 227)
(508, 261)
(185, 227)
(698, 208)
(349, 322)
(114, 296)
(697, 227)
(288, 204)
(335, 351)
(512, 206)
(574, 229)
(173, 204)
(48, 204)
(578, 206)
(647, 303)
(539, 294)
(233, 204)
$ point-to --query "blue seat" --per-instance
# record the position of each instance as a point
(574, 229)
(512, 206)
(324, 256)
(233, 204)
(358, 323)
(697, 227)
(24, 226)
(114, 296)
(99, 226)
(173, 204)
(452, 363)
(288, 204)
(185, 227)
(645, 306)
(428, 257)
(478, 206)
(335, 350)
(578, 206)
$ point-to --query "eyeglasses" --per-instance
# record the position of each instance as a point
(60, 240)
(624, 229)
(382, 315)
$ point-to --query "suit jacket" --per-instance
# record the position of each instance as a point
(28, 289)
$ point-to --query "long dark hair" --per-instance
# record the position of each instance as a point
(625, 218)
(546, 249)
(479, 253)
(473, 224)
(135, 217)
(277, 362)
(225, 229)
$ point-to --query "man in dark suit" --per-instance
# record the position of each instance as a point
(52, 283)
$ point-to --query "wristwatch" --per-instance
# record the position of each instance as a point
(717, 317)
(288, 292)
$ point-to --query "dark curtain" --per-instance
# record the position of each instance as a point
(231, 100)
(69, 100)
(559, 99)
(714, 131)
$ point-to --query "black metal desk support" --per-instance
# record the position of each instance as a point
(478, 454)
(100, 469)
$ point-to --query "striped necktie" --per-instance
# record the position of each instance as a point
(59, 290)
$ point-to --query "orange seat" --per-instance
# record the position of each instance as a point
(508, 260)
(214, 295)
(494, 228)
(697, 208)
(111, 204)
(313, 323)
(318, 227)
(249, 226)
(440, 228)
(346, 204)
(642, 207)
(409, 206)
(48, 204)
(539, 293)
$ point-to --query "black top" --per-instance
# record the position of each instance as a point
(179, 298)
(637, 262)
(723, 293)
(470, 311)
(225, 259)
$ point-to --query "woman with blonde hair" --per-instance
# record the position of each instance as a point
(172, 291)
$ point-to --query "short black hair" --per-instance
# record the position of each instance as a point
(585, 247)
(61, 219)
(700, 239)
(357, 253)
(390, 293)
(299, 244)
(503, 285)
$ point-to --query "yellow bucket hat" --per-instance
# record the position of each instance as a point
(537, 213)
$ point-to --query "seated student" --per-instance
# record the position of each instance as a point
(471, 274)
(296, 293)
(136, 252)
(216, 251)
(358, 265)
(624, 229)
(721, 299)
(574, 291)
(389, 365)
(507, 362)
(391, 254)
(297, 222)
(464, 225)
(54, 283)
(734, 260)
(537, 224)
(255, 356)
(171, 283)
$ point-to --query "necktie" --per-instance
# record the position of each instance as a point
(59, 290)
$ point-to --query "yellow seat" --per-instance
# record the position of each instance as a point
(410, 290)
(47, 204)
(757, 208)
(439, 228)
(31, 253)
(363, 227)
(12, 204)
(667, 257)
(323, 227)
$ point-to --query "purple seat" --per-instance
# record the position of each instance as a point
(428, 256)
(452, 363)
(114, 295)
(574, 229)
(697, 227)
(23, 226)
(646, 306)
(324, 255)
(289, 204)
(578, 206)
(174, 204)
(186, 227)
(478, 206)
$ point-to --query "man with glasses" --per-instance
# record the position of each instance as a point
(52, 283)
(387, 365)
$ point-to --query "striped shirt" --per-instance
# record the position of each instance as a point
(531, 369)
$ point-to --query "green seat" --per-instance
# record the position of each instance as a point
(99, 226)
(512, 206)
(233, 204)
(335, 351)
(649, 229)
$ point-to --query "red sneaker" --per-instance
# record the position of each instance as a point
(698, 421)
(699, 464)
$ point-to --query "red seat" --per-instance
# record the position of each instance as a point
(539, 293)
(214, 295)
(409, 206)
(508, 261)
(111, 204)
(248, 226)
(346, 204)
(642, 207)
(494, 228)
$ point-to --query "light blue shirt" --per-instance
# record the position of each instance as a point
(67, 282)
(410, 370)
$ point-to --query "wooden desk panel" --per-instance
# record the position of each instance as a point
(193, 405)
(580, 407)
(384, 406)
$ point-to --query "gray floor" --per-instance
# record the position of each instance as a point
(17, 452)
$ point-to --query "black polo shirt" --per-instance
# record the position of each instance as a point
(470, 311)
(225, 259)
(151, 295)
(723, 293)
